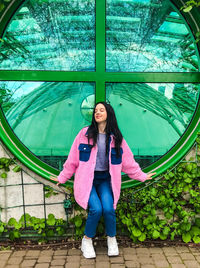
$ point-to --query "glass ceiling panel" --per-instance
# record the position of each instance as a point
(157, 115)
(51, 35)
(147, 37)
(46, 116)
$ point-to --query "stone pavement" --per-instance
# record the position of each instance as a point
(139, 257)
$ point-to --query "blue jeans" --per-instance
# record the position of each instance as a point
(101, 203)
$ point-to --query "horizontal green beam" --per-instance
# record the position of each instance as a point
(95, 76)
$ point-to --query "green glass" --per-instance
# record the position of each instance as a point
(46, 116)
(148, 36)
(51, 35)
(157, 115)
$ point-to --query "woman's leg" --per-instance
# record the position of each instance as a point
(94, 214)
(106, 196)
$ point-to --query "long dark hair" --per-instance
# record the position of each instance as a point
(111, 128)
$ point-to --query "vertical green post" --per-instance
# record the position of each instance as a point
(100, 49)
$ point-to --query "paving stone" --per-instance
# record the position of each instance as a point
(197, 257)
(103, 258)
(44, 259)
(116, 260)
(156, 250)
(130, 257)
(74, 252)
(33, 253)
(161, 264)
(148, 266)
(132, 264)
(61, 252)
(100, 251)
(169, 251)
(182, 249)
(102, 264)
(159, 257)
(42, 265)
(2, 263)
(19, 253)
(59, 257)
(187, 256)
(146, 260)
(129, 251)
(73, 258)
(117, 265)
(15, 260)
(56, 266)
(178, 265)
(72, 265)
(174, 259)
(191, 264)
(11, 266)
(5, 255)
(28, 263)
(87, 261)
(194, 250)
(57, 262)
(47, 252)
(88, 266)
(144, 251)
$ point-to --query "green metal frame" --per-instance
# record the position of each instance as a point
(100, 77)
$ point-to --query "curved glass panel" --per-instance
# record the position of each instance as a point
(46, 116)
(147, 36)
(51, 35)
(158, 114)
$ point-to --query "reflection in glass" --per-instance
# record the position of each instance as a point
(147, 36)
(158, 114)
(51, 35)
(46, 116)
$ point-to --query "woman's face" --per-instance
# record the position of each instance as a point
(100, 113)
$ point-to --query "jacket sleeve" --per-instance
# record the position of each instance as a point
(130, 166)
(71, 163)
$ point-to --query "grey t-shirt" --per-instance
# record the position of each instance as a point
(102, 158)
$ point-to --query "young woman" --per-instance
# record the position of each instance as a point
(97, 157)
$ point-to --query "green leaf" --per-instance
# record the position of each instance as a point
(186, 237)
(166, 230)
(142, 237)
(155, 234)
(136, 232)
(187, 9)
(4, 175)
(78, 221)
(195, 230)
(196, 239)
(163, 237)
(12, 222)
(51, 220)
(17, 169)
(1, 228)
(197, 222)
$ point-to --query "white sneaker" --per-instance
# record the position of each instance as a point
(112, 246)
(87, 248)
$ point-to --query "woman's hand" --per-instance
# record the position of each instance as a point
(55, 179)
(149, 176)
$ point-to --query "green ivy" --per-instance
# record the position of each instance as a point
(5, 164)
(52, 228)
(188, 6)
(49, 191)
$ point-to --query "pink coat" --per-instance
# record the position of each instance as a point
(82, 161)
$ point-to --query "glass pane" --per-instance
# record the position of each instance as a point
(51, 35)
(148, 36)
(158, 115)
(46, 116)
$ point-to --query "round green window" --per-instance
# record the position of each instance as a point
(58, 58)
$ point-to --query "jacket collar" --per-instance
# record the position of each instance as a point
(87, 133)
